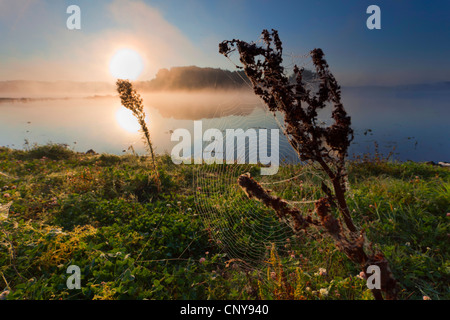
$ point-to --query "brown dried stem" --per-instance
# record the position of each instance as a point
(326, 146)
(132, 101)
(351, 247)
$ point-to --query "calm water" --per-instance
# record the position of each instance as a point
(414, 121)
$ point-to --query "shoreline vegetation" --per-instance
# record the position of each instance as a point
(104, 213)
(183, 79)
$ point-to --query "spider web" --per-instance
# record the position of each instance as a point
(244, 228)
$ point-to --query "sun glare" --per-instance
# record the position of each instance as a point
(127, 120)
(126, 64)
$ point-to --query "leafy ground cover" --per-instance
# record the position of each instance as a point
(104, 213)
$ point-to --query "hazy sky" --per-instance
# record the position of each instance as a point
(412, 46)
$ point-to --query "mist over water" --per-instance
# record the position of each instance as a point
(414, 122)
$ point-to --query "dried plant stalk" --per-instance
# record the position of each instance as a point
(132, 101)
(254, 190)
(352, 247)
(326, 146)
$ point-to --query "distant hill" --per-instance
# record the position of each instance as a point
(196, 78)
(187, 78)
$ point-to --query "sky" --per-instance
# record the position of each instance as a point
(412, 45)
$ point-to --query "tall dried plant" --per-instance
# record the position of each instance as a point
(132, 101)
(323, 145)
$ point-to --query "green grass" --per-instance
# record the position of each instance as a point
(104, 213)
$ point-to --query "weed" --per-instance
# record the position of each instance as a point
(132, 101)
(325, 146)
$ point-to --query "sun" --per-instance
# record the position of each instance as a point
(127, 120)
(126, 64)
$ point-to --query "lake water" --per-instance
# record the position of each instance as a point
(414, 121)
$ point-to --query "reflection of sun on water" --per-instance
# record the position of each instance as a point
(127, 120)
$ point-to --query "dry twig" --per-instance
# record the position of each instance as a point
(326, 146)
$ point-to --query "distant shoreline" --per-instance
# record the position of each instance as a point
(186, 78)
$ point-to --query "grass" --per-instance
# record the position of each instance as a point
(105, 214)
